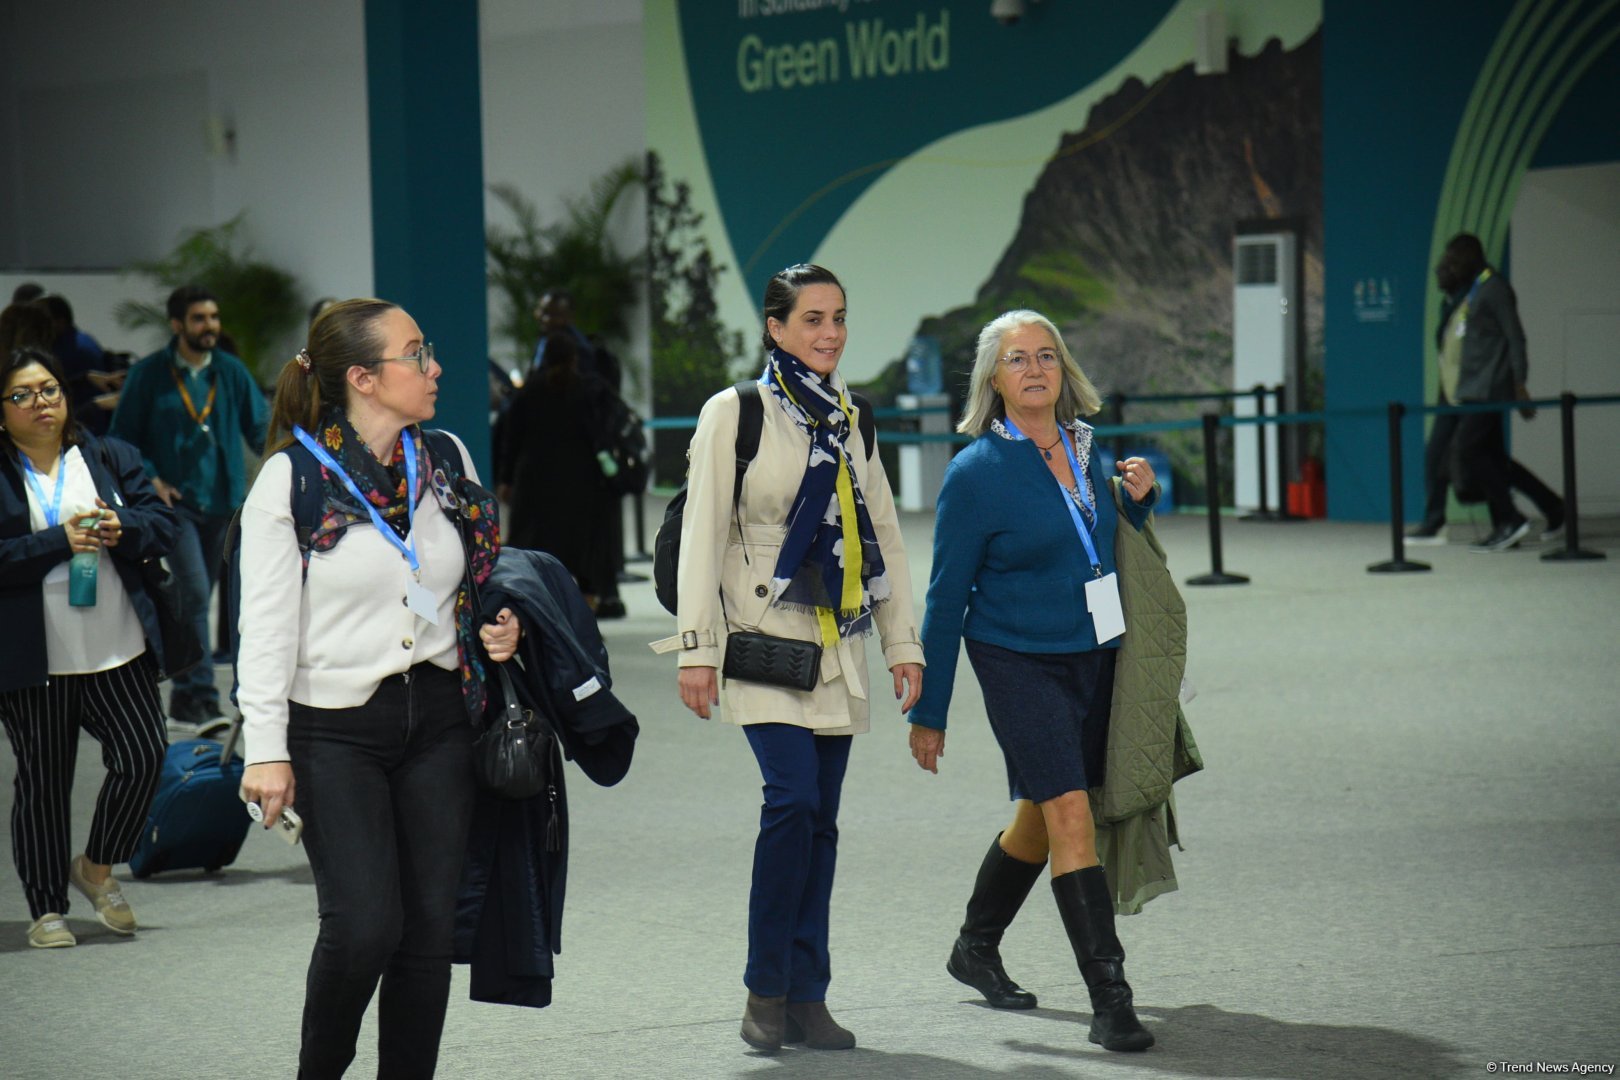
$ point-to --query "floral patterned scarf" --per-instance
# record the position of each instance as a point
(383, 484)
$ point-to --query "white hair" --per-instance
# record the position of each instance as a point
(1077, 397)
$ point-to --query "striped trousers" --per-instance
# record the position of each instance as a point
(120, 709)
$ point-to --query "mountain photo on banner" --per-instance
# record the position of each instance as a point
(1125, 240)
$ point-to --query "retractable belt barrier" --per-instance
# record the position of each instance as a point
(1210, 423)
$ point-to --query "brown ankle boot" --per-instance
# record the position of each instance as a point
(809, 1022)
(763, 1022)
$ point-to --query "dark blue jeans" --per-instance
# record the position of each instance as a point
(794, 859)
(386, 793)
(195, 561)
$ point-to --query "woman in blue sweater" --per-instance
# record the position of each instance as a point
(1024, 571)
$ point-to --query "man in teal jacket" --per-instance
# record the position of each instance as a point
(189, 408)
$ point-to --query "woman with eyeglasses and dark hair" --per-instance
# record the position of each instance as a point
(83, 650)
(361, 670)
(1024, 571)
(805, 547)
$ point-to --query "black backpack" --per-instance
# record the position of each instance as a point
(750, 422)
(625, 440)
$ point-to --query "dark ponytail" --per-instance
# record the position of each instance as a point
(782, 292)
(343, 335)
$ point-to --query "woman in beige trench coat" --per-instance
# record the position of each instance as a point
(811, 552)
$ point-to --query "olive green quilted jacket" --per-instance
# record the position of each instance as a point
(1150, 746)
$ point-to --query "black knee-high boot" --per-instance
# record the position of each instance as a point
(1088, 915)
(998, 893)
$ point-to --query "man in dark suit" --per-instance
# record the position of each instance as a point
(1482, 358)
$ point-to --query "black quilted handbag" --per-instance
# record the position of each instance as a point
(775, 661)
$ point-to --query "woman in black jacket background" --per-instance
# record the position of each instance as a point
(549, 473)
(64, 493)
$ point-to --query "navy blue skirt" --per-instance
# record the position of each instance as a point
(1050, 714)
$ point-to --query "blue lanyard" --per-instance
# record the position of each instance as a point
(1068, 501)
(52, 509)
(407, 549)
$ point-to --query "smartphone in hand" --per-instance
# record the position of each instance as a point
(290, 827)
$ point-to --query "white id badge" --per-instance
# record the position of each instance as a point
(419, 598)
(1102, 598)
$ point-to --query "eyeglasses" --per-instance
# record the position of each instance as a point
(50, 394)
(422, 358)
(1047, 358)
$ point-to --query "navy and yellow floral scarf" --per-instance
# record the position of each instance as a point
(830, 561)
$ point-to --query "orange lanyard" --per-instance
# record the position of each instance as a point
(185, 396)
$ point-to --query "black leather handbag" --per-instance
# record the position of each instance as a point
(774, 661)
(182, 650)
(512, 757)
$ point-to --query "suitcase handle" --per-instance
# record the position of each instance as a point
(228, 745)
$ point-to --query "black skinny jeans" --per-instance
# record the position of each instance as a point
(386, 792)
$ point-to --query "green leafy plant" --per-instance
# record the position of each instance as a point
(577, 254)
(694, 354)
(259, 304)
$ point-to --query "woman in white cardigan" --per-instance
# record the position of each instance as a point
(812, 551)
(353, 669)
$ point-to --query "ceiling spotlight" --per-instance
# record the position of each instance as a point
(1006, 12)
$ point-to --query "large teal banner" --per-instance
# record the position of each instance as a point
(803, 104)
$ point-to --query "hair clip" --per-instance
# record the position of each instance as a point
(302, 357)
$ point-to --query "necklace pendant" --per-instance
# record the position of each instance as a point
(1048, 454)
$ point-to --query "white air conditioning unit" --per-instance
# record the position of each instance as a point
(1265, 349)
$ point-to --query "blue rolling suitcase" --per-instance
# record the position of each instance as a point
(197, 819)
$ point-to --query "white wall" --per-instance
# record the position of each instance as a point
(105, 109)
(564, 102)
(1566, 263)
(110, 152)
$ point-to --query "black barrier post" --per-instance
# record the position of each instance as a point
(1212, 489)
(1285, 462)
(1264, 513)
(1400, 564)
(1571, 551)
(641, 532)
(1119, 421)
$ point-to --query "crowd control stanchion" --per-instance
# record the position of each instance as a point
(641, 531)
(1264, 512)
(1212, 488)
(1119, 421)
(1285, 459)
(1400, 564)
(1571, 551)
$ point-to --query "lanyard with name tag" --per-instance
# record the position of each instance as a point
(1102, 592)
(418, 597)
(51, 508)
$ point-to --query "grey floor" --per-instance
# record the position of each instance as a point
(1402, 860)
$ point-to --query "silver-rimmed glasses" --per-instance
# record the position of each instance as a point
(1019, 361)
(422, 358)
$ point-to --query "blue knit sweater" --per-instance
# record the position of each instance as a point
(1009, 568)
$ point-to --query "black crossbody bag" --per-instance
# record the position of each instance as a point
(764, 658)
(774, 661)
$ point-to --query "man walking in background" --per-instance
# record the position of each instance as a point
(189, 408)
(1482, 358)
